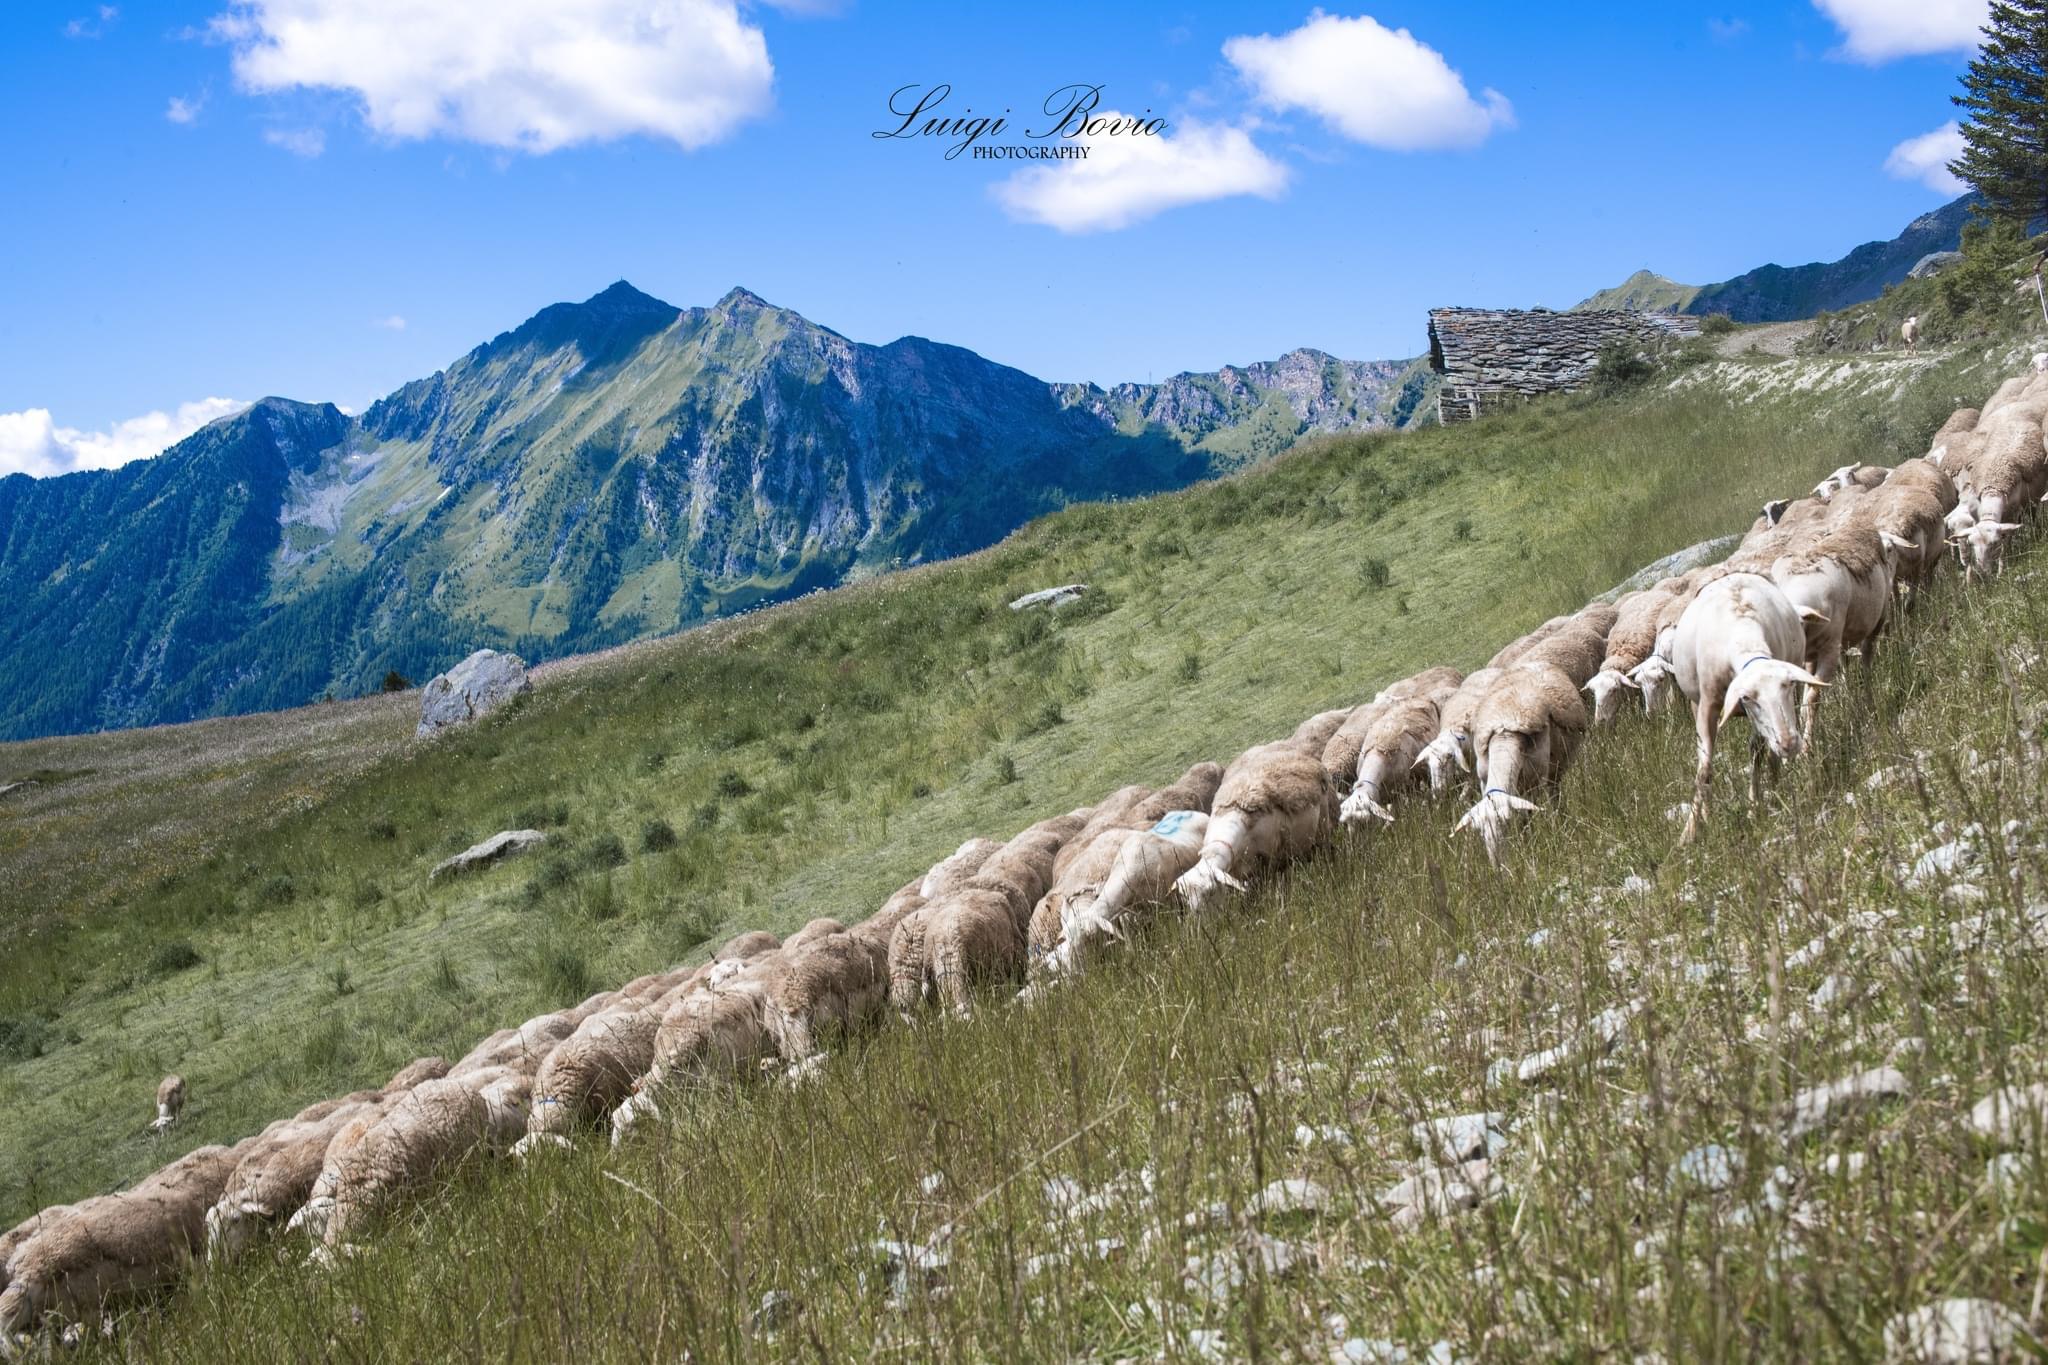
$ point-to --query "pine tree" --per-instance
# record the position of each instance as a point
(2006, 98)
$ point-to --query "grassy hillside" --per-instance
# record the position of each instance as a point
(281, 940)
(1644, 291)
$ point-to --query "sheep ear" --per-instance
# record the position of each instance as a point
(1521, 803)
(1813, 614)
(1465, 820)
(1458, 753)
(1733, 701)
(1890, 541)
(1800, 675)
(1629, 681)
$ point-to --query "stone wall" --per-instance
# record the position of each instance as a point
(1489, 356)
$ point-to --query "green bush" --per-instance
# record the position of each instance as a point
(172, 956)
(1716, 325)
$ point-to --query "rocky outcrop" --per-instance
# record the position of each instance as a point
(481, 683)
(497, 848)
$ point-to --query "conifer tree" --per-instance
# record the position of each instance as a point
(2005, 97)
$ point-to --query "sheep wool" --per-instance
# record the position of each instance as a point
(436, 1124)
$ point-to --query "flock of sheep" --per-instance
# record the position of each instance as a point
(1761, 633)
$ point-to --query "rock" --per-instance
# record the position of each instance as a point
(1291, 1196)
(10, 788)
(1823, 1106)
(1050, 597)
(1711, 1167)
(777, 1307)
(1461, 1137)
(1933, 263)
(1328, 1134)
(1681, 561)
(494, 849)
(480, 683)
(1956, 1332)
(1834, 989)
(1441, 1192)
(1948, 859)
(2012, 1117)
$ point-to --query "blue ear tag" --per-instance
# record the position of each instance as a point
(1173, 823)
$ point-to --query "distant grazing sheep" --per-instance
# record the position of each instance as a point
(1740, 647)
(1275, 803)
(170, 1101)
(1523, 736)
(1909, 332)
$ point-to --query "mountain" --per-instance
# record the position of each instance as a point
(1777, 293)
(1643, 292)
(608, 470)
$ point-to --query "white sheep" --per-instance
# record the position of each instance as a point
(1387, 757)
(1909, 332)
(1275, 803)
(1632, 639)
(1148, 863)
(1523, 736)
(170, 1101)
(1451, 751)
(1740, 645)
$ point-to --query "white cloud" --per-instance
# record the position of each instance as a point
(1925, 158)
(297, 141)
(1127, 179)
(1728, 30)
(1373, 84)
(394, 323)
(182, 110)
(532, 75)
(1880, 30)
(31, 442)
(88, 28)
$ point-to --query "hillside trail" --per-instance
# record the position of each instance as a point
(1775, 338)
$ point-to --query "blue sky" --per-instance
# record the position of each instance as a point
(322, 199)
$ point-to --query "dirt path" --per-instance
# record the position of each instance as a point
(1773, 338)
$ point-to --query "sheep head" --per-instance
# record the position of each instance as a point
(1200, 883)
(1981, 545)
(1360, 807)
(1607, 686)
(1652, 676)
(1767, 691)
(1774, 510)
(1444, 756)
(1491, 816)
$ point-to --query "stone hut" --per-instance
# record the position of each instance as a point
(1488, 356)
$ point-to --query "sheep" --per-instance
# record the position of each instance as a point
(587, 1074)
(1145, 868)
(840, 981)
(2040, 362)
(1841, 585)
(116, 1246)
(170, 1101)
(1523, 736)
(1740, 645)
(434, 1125)
(1089, 858)
(1315, 732)
(1909, 332)
(750, 944)
(907, 949)
(977, 934)
(11, 1240)
(1575, 648)
(2010, 473)
(1911, 517)
(1959, 421)
(954, 871)
(1928, 476)
(1451, 750)
(2008, 392)
(1137, 807)
(507, 1093)
(1632, 639)
(281, 1166)
(530, 1042)
(1276, 802)
(1388, 755)
(1339, 755)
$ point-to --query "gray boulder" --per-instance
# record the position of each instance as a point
(480, 683)
(1050, 597)
(491, 850)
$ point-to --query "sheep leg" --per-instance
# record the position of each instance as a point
(1826, 666)
(1707, 719)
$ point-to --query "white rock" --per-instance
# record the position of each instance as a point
(1823, 1106)
(1050, 597)
(1634, 885)
(1711, 1167)
(1955, 1332)
(1291, 1196)
(1947, 859)
(2013, 1116)
(494, 849)
(1328, 1134)
(1462, 1136)
(483, 682)
(1834, 988)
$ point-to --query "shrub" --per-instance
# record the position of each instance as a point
(733, 787)
(604, 852)
(1462, 529)
(173, 956)
(23, 1036)
(1621, 364)
(1374, 573)
(1006, 770)
(394, 681)
(657, 836)
(1189, 669)
(1716, 325)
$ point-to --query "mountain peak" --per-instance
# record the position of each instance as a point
(739, 296)
(623, 297)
